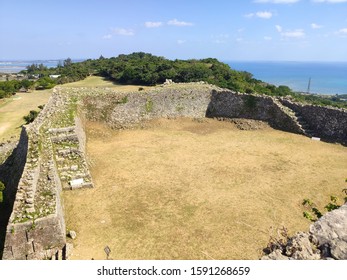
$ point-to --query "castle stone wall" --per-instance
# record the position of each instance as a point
(51, 150)
(328, 123)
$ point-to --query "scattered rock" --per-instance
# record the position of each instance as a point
(72, 234)
(326, 240)
(275, 255)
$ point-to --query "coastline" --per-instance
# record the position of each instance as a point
(327, 78)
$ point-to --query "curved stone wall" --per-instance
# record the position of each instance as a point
(55, 157)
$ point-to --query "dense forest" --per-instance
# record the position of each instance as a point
(146, 69)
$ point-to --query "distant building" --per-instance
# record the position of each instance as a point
(54, 76)
(23, 89)
(34, 76)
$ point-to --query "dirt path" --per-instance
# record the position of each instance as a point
(186, 189)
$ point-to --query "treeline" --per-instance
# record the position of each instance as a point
(146, 69)
(8, 88)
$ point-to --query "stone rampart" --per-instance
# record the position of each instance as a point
(36, 227)
(54, 147)
(328, 123)
(120, 110)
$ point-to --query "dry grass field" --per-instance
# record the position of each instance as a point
(188, 189)
(95, 81)
(12, 111)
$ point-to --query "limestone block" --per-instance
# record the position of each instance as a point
(72, 234)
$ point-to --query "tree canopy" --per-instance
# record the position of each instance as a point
(142, 68)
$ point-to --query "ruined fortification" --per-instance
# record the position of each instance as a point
(51, 151)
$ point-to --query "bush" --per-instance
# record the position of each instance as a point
(31, 116)
(313, 213)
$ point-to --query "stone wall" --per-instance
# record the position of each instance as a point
(328, 123)
(53, 158)
(120, 110)
(264, 108)
(51, 151)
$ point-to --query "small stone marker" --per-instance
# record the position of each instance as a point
(77, 183)
(315, 139)
(107, 251)
(72, 234)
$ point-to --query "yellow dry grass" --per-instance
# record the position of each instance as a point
(13, 109)
(182, 189)
(95, 81)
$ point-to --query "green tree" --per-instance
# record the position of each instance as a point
(67, 62)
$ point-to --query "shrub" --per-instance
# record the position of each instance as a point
(149, 105)
(31, 116)
(313, 213)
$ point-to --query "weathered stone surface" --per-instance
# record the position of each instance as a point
(72, 234)
(326, 122)
(327, 239)
(299, 247)
(275, 255)
(331, 229)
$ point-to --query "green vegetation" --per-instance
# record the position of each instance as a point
(149, 105)
(8, 88)
(145, 69)
(322, 100)
(31, 116)
(2, 188)
(313, 213)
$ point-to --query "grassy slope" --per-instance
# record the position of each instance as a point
(13, 109)
(95, 81)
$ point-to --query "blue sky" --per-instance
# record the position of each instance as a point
(290, 30)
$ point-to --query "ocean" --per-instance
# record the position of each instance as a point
(326, 77)
(15, 66)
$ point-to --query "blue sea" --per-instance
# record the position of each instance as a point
(15, 66)
(326, 77)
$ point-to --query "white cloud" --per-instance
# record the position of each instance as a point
(239, 40)
(298, 33)
(107, 37)
(175, 22)
(180, 42)
(153, 24)
(221, 38)
(329, 1)
(279, 28)
(265, 15)
(276, 1)
(249, 15)
(316, 26)
(342, 32)
(260, 14)
(123, 31)
(267, 38)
